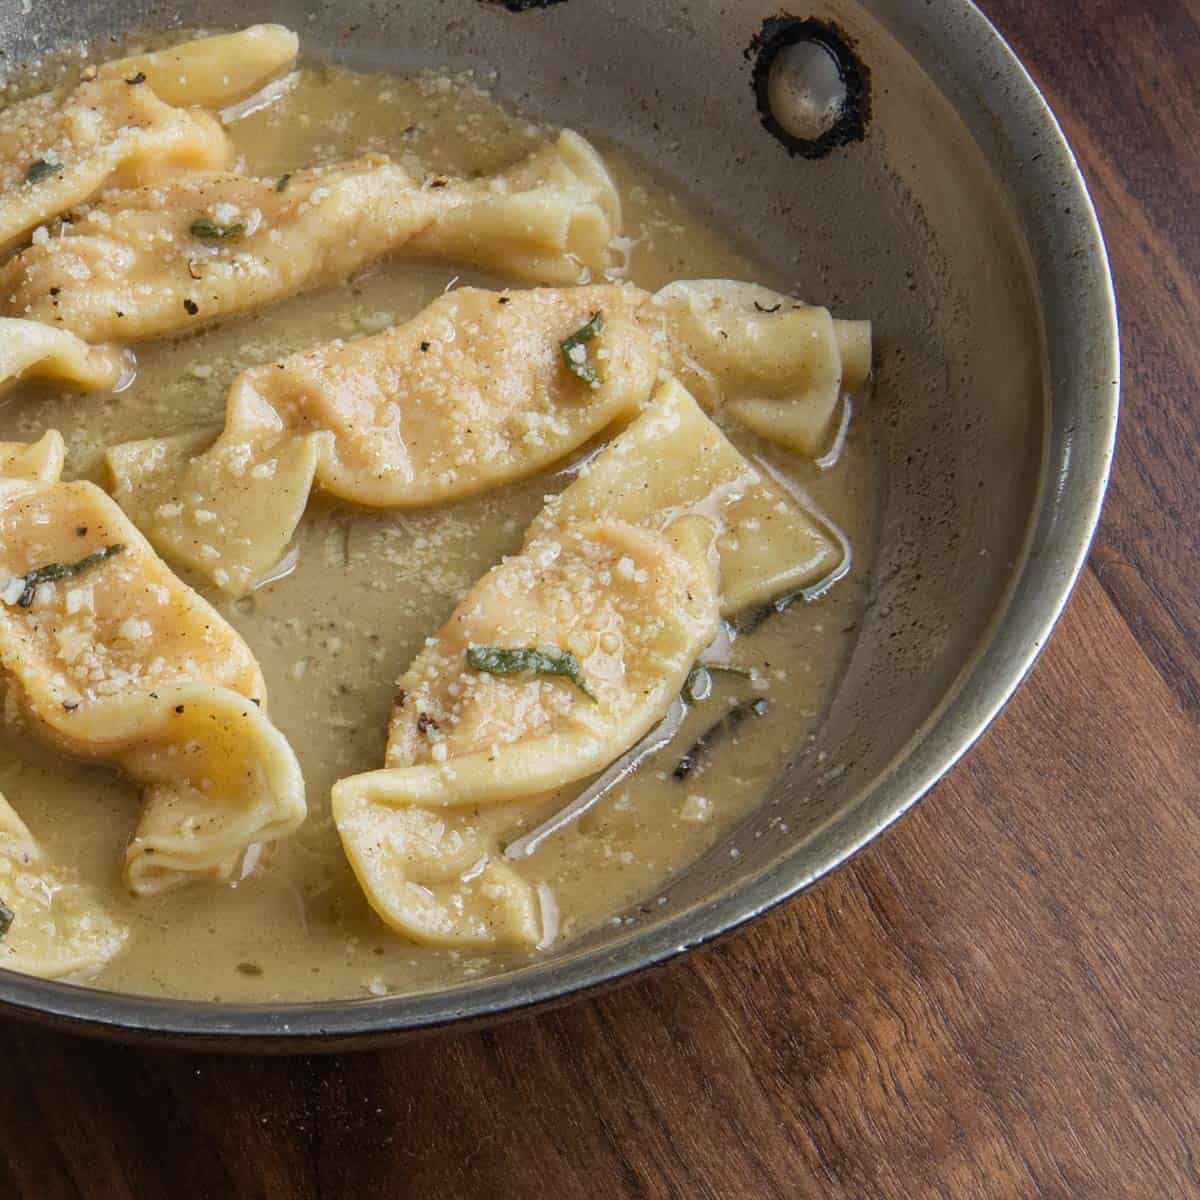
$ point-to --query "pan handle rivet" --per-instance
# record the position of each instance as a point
(812, 90)
(805, 90)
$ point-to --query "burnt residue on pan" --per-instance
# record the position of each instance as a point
(520, 6)
(813, 90)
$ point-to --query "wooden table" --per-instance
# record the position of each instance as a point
(999, 999)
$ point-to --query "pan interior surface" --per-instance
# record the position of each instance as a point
(992, 416)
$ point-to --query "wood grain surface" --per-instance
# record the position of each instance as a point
(1000, 999)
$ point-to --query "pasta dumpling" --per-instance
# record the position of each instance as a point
(225, 509)
(472, 393)
(437, 876)
(132, 121)
(211, 72)
(32, 462)
(58, 151)
(111, 657)
(555, 663)
(673, 459)
(156, 260)
(777, 366)
(29, 349)
(50, 925)
(550, 219)
(217, 777)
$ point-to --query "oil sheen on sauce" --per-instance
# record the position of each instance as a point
(368, 587)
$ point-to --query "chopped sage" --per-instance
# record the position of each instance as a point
(208, 230)
(53, 572)
(7, 917)
(41, 169)
(726, 727)
(574, 350)
(284, 180)
(530, 660)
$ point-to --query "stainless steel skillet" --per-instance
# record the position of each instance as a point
(948, 207)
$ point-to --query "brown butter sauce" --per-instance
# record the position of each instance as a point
(334, 635)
